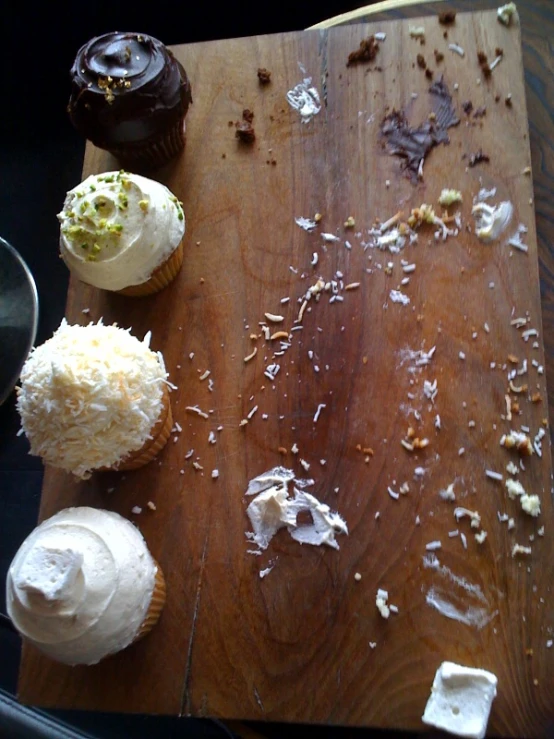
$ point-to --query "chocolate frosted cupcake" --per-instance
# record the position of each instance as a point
(130, 96)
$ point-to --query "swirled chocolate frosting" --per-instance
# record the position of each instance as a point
(126, 88)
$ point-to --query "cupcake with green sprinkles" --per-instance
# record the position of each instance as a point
(122, 232)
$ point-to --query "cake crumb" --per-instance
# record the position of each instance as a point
(264, 76)
(244, 129)
(447, 17)
(136, 510)
(366, 52)
(151, 505)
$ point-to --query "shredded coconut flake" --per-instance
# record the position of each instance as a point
(197, 410)
(320, 407)
(433, 545)
(89, 396)
(306, 223)
(457, 49)
(397, 296)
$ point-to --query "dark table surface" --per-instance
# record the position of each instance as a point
(41, 158)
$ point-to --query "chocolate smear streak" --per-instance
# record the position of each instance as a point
(413, 144)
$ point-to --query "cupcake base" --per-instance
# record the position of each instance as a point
(155, 608)
(151, 447)
(160, 277)
(153, 153)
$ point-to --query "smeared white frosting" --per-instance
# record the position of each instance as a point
(80, 585)
(272, 509)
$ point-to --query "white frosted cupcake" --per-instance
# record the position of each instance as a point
(83, 585)
(122, 232)
(94, 398)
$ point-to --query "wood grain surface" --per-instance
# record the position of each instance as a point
(295, 645)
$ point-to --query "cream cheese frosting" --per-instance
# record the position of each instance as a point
(117, 228)
(89, 396)
(80, 585)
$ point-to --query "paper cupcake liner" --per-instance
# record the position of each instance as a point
(155, 608)
(151, 447)
(155, 152)
(160, 277)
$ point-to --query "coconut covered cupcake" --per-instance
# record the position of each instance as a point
(95, 398)
(122, 232)
(130, 95)
(83, 585)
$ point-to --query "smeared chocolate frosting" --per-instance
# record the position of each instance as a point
(413, 143)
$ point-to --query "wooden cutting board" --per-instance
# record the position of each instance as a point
(306, 643)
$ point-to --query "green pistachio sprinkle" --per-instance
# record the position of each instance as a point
(91, 258)
(93, 188)
(84, 246)
(102, 223)
(96, 248)
(143, 205)
(181, 215)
